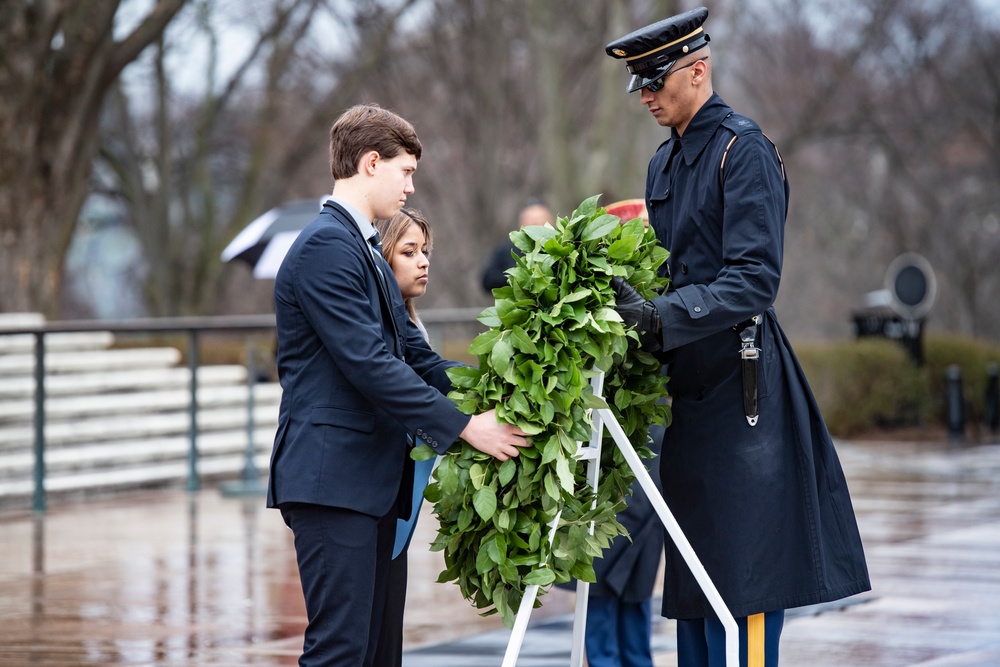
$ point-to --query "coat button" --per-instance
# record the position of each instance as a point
(697, 309)
(684, 267)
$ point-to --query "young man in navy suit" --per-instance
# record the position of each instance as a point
(356, 376)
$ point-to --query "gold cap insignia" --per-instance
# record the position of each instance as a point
(619, 52)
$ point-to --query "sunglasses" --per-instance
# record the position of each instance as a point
(657, 85)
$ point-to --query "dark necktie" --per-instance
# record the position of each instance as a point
(376, 242)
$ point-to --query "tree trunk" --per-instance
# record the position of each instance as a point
(29, 264)
(57, 61)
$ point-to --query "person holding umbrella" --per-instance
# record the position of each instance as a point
(357, 377)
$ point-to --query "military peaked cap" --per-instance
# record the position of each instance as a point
(651, 51)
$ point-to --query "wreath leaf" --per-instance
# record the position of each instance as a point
(552, 329)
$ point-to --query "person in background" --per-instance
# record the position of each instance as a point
(619, 604)
(357, 377)
(747, 465)
(406, 246)
(534, 212)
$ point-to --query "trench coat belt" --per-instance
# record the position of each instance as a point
(750, 360)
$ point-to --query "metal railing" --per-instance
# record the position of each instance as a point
(435, 320)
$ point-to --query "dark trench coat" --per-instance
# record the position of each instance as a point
(765, 507)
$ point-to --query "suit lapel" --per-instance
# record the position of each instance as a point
(381, 282)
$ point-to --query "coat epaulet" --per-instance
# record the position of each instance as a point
(738, 125)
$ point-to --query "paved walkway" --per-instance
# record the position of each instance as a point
(173, 579)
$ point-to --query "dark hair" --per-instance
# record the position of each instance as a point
(369, 127)
(533, 201)
(391, 230)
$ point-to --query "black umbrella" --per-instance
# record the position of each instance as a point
(263, 243)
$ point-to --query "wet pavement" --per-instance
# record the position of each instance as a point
(171, 578)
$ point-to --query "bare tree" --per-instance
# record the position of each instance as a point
(942, 154)
(515, 99)
(886, 115)
(57, 62)
(196, 167)
(885, 112)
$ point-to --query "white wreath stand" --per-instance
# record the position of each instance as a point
(604, 418)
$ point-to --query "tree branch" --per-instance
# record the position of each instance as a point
(151, 27)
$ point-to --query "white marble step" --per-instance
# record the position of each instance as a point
(92, 405)
(138, 425)
(20, 320)
(123, 380)
(133, 477)
(132, 452)
(57, 342)
(94, 360)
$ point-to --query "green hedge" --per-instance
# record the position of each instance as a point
(973, 357)
(871, 383)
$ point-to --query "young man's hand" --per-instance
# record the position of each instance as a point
(501, 441)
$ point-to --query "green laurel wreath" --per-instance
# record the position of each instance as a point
(552, 329)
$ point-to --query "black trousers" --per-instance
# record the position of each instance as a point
(344, 561)
(701, 642)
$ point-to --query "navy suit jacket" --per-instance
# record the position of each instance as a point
(356, 375)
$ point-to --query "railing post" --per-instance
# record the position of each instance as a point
(434, 334)
(991, 407)
(39, 500)
(954, 403)
(250, 475)
(250, 484)
(192, 482)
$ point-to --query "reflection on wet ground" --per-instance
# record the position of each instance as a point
(930, 519)
(201, 580)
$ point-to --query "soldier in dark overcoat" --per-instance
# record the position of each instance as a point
(747, 465)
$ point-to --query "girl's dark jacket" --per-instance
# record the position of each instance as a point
(766, 507)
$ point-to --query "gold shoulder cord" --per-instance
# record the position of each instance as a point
(781, 163)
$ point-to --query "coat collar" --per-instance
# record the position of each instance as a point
(702, 128)
(364, 226)
(347, 217)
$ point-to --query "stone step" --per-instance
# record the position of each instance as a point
(57, 342)
(212, 466)
(23, 411)
(119, 418)
(95, 360)
(130, 453)
(135, 426)
(122, 380)
(20, 320)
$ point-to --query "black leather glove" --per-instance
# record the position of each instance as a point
(638, 313)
